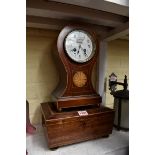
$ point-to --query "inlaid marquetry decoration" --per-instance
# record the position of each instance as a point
(79, 79)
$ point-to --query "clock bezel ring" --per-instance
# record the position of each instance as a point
(93, 45)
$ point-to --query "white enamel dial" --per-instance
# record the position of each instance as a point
(79, 46)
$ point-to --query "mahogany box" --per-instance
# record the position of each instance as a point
(75, 125)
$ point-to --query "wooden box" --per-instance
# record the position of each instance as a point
(62, 128)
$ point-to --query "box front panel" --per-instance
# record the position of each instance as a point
(84, 128)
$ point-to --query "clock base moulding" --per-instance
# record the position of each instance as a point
(77, 101)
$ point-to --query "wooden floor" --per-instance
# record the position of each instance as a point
(116, 144)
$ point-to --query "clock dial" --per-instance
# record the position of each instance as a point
(79, 46)
(79, 79)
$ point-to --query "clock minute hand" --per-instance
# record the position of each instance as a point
(79, 49)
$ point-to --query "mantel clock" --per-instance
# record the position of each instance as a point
(77, 50)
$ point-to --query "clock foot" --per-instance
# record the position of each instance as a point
(106, 136)
(54, 148)
(59, 109)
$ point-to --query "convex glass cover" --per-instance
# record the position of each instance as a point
(79, 46)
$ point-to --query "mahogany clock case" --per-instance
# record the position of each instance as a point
(63, 128)
(67, 94)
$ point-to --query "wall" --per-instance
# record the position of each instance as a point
(41, 73)
(117, 62)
